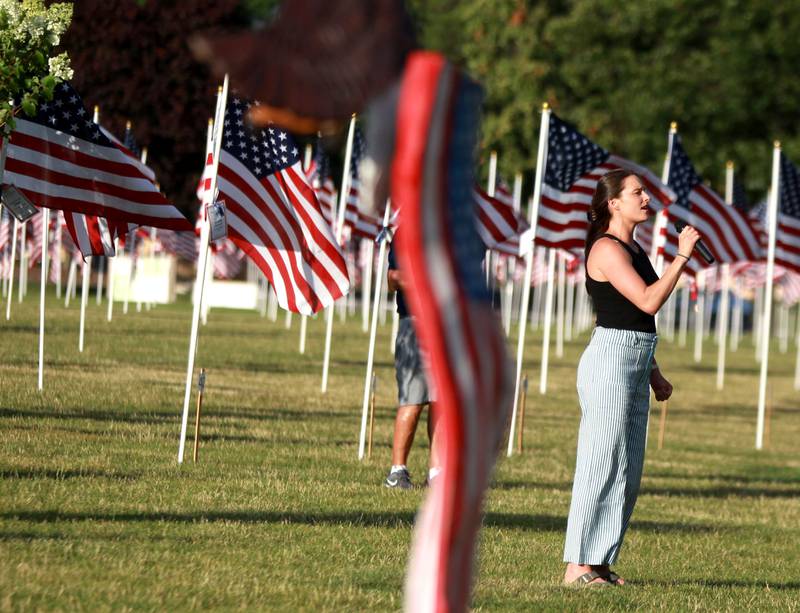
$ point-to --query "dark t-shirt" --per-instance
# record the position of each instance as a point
(402, 310)
(613, 309)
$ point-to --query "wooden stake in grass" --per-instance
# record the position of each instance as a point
(371, 415)
(662, 426)
(201, 387)
(524, 394)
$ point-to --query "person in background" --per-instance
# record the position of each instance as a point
(413, 391)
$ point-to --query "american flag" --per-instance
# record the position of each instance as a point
(439, 248)
(61, 159)
(228, 259)
(90, 233)
(574, 165)
(790, 287)
(500, 227)
(274, 215)
(787, 237)
(362, 225)
(319, 174)
(6, 227)
(181, 244)
(725, 230)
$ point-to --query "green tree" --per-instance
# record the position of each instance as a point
(725, 70)
(29, 65)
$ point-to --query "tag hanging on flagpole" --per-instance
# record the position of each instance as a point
(217, 220)
(18, 204)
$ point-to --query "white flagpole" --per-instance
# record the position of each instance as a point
(73, 270)
(698, 316)
(491, 188)
(758, 313)
(348, 156)
(661, 216)
(138, 298)
(23, 262)
(562, 281)
(110, 290)
(533, 215)
(45, 224)
(11, 270)
(373, 332)
(725, 296)
(684, 327)
(772, 221)
(570, 309)
(87, 267)
(736, 324)
(367, 285)
(548, 319)
(58, 233)
(99, 288)
(511, 263)
(10, 288)
(303, 317)
(208, 197)
(536, 308)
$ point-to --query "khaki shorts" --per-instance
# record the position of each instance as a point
(412, 383)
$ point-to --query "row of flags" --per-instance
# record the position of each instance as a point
(282, 216)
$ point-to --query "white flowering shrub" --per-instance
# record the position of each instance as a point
(29, 67)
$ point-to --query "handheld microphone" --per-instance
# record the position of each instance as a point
(699, 245)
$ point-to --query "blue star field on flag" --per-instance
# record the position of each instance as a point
(263, 151)
(682, 175)
(322, 164)
(789, 188)
(359, 146)
(67, 113)
(570, 154)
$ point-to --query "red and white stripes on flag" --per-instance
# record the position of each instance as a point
(562, 220)
(228, 259)
(61, 159)
(90, 233)
(439, 248)
(500, 227)
(275, 217)
(726, 231)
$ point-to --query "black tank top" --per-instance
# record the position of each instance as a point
(613, 309)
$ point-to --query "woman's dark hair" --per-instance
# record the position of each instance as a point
(609, 186)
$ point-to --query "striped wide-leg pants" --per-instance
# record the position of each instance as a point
(613, 389)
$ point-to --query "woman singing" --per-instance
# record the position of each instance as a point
(613, 376)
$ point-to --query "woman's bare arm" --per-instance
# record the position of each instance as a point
(614, 262)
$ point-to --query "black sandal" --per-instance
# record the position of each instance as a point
(588, 580)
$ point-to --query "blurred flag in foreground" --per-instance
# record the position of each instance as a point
(439, 248)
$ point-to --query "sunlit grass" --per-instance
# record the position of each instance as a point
(96, 514)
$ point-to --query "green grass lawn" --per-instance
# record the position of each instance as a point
(96, 514)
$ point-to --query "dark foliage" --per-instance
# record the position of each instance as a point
(132, 59)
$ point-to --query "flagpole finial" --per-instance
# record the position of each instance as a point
(777, 144)
(210, 121)
(545, 106)
(219, 90)
(673, 126)
(127, 123)
(353, 116)
(729, 164)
